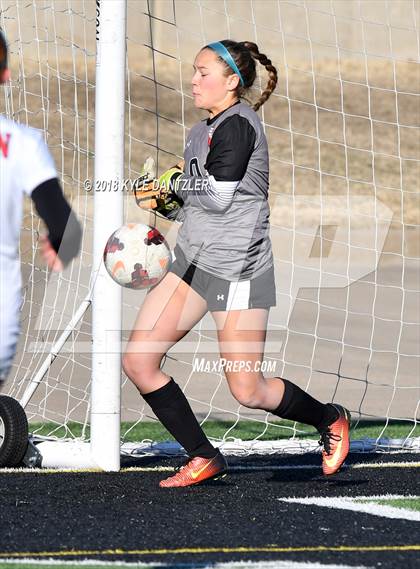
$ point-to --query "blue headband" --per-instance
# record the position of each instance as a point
(221, 50)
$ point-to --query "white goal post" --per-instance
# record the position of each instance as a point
(108, 206)
(108, 82)
(105, 296)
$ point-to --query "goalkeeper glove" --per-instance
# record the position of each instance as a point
(158, 194)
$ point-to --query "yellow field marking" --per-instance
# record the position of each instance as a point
(200, 550)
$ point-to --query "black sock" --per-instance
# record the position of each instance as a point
(297, 405)
(171, 407)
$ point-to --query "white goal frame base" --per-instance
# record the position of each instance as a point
(77, 454)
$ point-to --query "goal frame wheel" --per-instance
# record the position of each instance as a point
(13, 432)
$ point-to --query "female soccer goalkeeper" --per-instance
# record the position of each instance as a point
(223, 264)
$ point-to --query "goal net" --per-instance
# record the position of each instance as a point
(343, 133)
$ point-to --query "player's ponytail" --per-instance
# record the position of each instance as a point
(244, 55)
(271, 70)
(3, 53)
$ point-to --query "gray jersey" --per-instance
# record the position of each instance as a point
(224, 187)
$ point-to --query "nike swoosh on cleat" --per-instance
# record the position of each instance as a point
(331, 462)
(195, 475)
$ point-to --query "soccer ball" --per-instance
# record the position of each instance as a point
(137, 256)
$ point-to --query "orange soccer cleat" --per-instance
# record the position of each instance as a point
(336, 442)
(197, 470)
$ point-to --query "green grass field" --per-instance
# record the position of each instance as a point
(408, 503)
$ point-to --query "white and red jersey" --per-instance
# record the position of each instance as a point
(25, 163)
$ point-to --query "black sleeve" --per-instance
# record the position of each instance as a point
(63, 227)
(230, 149)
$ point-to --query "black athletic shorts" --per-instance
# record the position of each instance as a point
(220, 294)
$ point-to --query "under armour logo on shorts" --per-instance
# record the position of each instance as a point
(220, 297)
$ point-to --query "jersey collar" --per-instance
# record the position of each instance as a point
(211, 121)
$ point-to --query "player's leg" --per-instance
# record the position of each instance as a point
(5, 365)
(7, 352)
(241, 335)
(9, 326)
(168, 312)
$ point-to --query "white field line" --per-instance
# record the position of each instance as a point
(345, 503)
(229, 565)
